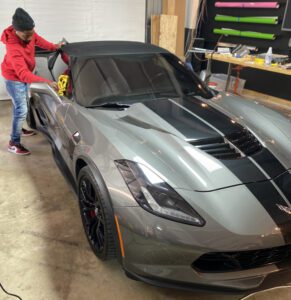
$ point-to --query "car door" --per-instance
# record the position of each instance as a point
(51, 111)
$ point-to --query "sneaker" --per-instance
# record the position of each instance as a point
(18, 149)
(26, 132)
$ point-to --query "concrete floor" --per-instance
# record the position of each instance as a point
(43, 251)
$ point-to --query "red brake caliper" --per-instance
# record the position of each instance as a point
(92, 213)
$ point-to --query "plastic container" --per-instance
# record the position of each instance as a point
(218, 82)
(269, 56)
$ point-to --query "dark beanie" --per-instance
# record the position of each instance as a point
(22, 21)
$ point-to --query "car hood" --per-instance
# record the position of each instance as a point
(169, 135)
(273, 128)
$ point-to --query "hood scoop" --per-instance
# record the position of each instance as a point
(233, 146)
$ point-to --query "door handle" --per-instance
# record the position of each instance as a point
(76, 137)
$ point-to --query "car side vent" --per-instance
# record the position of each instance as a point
(245, 141)
(217, 147)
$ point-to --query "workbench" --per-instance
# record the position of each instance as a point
(247, 62)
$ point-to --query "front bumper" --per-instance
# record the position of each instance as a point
(280, 278)
(161, 252)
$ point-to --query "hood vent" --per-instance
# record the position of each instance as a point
(218, 148)
(245, 141)
(233, 146)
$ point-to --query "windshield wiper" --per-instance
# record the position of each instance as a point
(191, 93)
(112, 105)
(166, 94)
(109, 101)
(207, 95)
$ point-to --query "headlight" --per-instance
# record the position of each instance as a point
(154, 195)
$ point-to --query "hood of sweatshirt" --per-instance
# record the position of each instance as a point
(9, 36)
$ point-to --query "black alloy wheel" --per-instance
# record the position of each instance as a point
(29, 117)
(95, 216)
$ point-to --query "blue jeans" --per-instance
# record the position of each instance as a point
(19, 94)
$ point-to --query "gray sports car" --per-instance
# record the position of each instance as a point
(186, 186)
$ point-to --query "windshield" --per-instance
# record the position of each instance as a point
(133, 78)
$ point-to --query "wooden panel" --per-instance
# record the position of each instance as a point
(155, 29)
(169, 7)
(168, 32)
(177, 8)
(180, 11)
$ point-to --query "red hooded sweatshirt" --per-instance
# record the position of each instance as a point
(19, 60)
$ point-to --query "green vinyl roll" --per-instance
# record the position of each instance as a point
(258, 35)
(257, 20)
(227, 31)
(251, 34)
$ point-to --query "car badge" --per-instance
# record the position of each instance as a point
(286, 209)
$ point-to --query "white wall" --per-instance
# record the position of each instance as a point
(78, 20)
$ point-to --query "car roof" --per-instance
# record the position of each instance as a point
(93, 49)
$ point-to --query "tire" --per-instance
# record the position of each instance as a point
(30, 118)
(96, 214)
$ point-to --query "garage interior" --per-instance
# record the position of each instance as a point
(44, 253)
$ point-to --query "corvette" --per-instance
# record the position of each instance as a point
(187, 187)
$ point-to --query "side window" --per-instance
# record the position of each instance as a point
(59, 67)
(42, 67)
(89, 82)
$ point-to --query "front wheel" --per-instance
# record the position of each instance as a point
(30, 118)
(94, 210)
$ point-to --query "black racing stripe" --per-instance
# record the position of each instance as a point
(269, 163)
(284, 184)
(244, 169)
(269, 198)
(209, 114)
(181, 120)
(264, 191)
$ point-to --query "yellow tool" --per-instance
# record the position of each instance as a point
(63, 84)
(259, 60)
